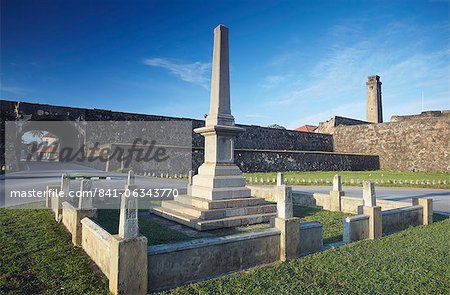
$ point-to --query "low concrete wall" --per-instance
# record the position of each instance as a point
(400, 219)
(50, 190)
(356, 228)
(311, 237)
(304, 199)
(268, 192)
(172, 265)
(348, 204)
(388, 205)
(123, 261)
(71, 218)
(56, 204)
(97, 243)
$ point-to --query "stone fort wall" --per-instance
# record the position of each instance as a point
(328, 126)
(258, 149)
(254, 137)
(407, 143)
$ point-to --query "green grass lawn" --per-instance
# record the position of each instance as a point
(383, 178)
(331, 221)
(414, 261)
(155, 232)
(37, 257)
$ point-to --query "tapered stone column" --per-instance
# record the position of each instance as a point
(128, 217)
(217, 196)
(370, 208)
(218, 177)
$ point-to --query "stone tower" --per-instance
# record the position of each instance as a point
(374, 112)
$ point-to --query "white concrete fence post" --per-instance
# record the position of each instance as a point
(427, 212)
(370, 208)
(57, 199)
(280, 178)
(189, 186)
(336, 194)
(128, 218)
(129, 249)
(287, 224)
(85, 200)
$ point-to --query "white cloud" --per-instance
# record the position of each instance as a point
(335, 85)
(256, 116)
(13, 89)
(273, 81)
(196, 73)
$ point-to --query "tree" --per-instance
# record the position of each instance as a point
(37, 133)
(276, 126)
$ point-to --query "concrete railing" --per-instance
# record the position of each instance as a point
(356, 228)
(71, 218)
(400, 219)
(311, 237)
(268, 193)
(97, 243)
(172, 265)
(123, 261)
(362, 226)
(348, 204)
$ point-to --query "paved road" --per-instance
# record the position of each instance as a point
(441, 197)
(38, 177)
(38, 180)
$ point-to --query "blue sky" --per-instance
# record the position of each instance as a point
(292, 62)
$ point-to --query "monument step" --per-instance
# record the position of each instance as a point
(202, 225)
(218, 170)
(183, 208)
(219, 181)
(205, 214)
(235, 221)
(173, 215)
(220, 193)
(220, 204)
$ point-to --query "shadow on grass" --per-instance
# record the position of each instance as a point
(153, 231)
(439, 217)
(331, 221)
(302, 211)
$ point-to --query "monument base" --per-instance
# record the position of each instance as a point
(203, 214)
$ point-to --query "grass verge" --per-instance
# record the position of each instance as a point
(383, 178)
(37, 257)
(414, 261)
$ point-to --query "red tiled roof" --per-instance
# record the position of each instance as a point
(306, 128)
(50, 135)
(48, 149)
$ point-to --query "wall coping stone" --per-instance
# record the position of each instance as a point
(398, 210)
(300, 152)
(321, 195)
(67, 205)
(96, 229)
(357, 217)
(206, 242)
(310, 224)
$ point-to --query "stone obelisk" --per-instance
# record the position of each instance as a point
(217, 196)
(218, 177)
